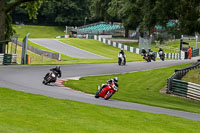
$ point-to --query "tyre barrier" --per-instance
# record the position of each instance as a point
(8, 59)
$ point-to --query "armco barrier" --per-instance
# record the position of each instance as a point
(42, 52)
(182, 88)
(180, 55)
(186, 89)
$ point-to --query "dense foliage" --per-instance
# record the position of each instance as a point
(132, 13)
(54, 12)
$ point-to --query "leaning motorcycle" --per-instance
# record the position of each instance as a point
(121, 59)
(146, 57)
(106, 91)
(49, 78)
(162, 55)
(152, 56)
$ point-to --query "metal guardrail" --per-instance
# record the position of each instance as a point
(179, 73)
(42, 52)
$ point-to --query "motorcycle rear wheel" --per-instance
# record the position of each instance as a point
(96, 95)
(119, 61)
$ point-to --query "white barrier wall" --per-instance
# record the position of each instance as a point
(102, 38)
(1, 59)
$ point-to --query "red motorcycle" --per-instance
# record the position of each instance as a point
(106, 91)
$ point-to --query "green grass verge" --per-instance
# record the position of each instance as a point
(193, 76)
(23, 112)
(39, 31)
(102, 49)
(140, 87)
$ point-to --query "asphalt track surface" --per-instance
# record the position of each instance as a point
(66, 49)
(29, 79)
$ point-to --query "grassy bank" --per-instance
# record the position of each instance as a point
(39, 31)
(139, 87)
(193, 76)
(102, 49)
(23, 112)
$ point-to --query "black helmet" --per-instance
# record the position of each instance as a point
(57, 68)
(115, 79)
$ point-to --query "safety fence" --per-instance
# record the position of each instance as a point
(180, 55)
(182, 88)
(8, 59)
(42, 52)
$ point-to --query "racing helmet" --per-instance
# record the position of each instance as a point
(57, 68)
(115, 79)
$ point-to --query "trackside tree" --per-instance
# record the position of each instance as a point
(148, 13)
(6, 6)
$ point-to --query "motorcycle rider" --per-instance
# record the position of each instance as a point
(150, 52)
(109, 82)
(143, 52)
(161, 50)
(122, 52)
(56, 71)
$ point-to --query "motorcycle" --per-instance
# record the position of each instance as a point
(152, 56)
(162, 55)
(146, 57)
(121, 59)
(49, 78)
(106, 91)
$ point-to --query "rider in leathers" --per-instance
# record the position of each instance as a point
(56, 71)
(109, 82)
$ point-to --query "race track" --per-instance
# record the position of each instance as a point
(66, 49)
(29, 79)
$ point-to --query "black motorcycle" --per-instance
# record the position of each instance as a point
(121, 60)
(161, 55)
(146, 57)
(152, 56)
(50, 77)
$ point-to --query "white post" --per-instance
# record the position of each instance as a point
(196, 42)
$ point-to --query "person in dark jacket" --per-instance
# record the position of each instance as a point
(56, 71)
(143, 52)
(122, 52)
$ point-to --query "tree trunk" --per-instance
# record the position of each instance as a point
(2, 20)
(126, 31)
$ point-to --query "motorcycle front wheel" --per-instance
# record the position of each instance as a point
(108, 95)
